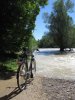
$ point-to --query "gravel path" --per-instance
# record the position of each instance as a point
(54, 80)
(40, 88)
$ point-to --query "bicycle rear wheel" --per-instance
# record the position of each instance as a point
(21, 77)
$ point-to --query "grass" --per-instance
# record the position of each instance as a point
(8, 61)
(8, 69)
(8, 65)
(11, 65)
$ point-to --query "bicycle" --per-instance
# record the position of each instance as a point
(26, 69)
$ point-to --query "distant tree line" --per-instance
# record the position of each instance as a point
(17, 20)
(46, 41)
(61, 27)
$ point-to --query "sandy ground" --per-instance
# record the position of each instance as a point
(54, 80)
(41, 88)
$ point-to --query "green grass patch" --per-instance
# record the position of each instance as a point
(10, 65)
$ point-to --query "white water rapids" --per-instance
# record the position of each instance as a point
(50, 63)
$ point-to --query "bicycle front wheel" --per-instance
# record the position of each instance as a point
(21, 77)
(34, 67)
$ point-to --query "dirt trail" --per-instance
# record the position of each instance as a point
(54, 80)
(40, 88)
(9, 90)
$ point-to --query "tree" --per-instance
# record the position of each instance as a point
(60, 23)
(33, 44)
(72, 37)
(17, 20)
(46, 41)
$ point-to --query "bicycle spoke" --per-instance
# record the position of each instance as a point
(21, 79)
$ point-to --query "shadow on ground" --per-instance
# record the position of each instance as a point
(53, 52)
(48, 52)
(14, 92)
(11, 95)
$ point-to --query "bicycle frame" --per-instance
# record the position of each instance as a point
(29, 69)
(25, 60)
(24, 70)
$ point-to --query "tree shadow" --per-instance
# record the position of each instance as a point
(11, 95)
(5, 73)
(15, 92)
(50, 52)
(47, 52)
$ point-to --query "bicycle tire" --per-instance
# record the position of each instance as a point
(21, 77)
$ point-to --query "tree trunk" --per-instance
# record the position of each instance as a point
(70, 49)
(61, 49)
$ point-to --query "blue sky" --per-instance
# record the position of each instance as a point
(40, 28)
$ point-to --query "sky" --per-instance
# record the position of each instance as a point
(40, 28)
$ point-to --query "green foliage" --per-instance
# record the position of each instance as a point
(69, 5)
(17, 20)
(72, 37)
(46, 41)
(60, 24)
(9, 65)
(32, 43)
